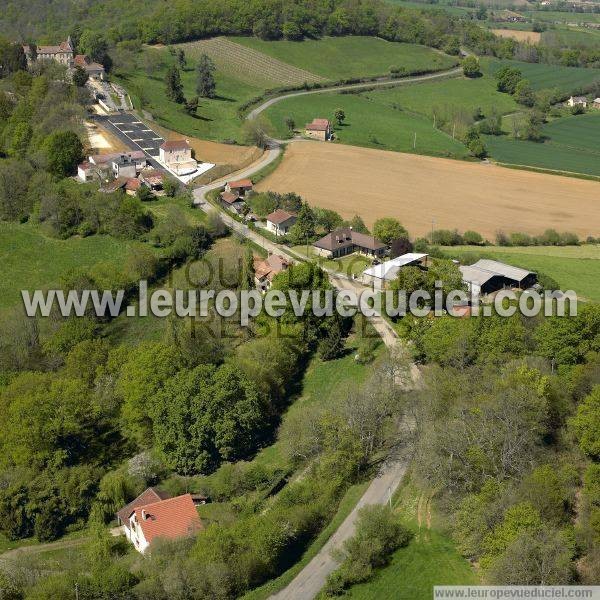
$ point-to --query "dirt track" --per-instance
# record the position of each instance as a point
(416, 189)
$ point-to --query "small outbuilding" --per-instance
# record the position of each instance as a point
(319, 129)
(379, 276)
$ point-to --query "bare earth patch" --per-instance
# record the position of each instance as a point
(248, 65)
(418, 189)
(101, 141)
(533, 37)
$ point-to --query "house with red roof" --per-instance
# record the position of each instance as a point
(265, 270)
(239, 188)
(152, 515)
(319, 129)
(280, 221)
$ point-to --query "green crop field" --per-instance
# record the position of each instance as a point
(541, 76)
(453, 10)
(350, 56)
(30, 260)
(573, 267)
(572, 37)
(563, 17)
(571, 144)
(369, 122)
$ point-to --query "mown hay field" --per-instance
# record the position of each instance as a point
(247, 64)
(533, 37)
(419, 189)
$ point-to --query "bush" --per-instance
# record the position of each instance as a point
(378, 534)
(445, 237)
(472, 238)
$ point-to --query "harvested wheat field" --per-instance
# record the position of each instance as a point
(416, 189)
(533, 37)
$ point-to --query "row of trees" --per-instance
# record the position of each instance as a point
(205, 82)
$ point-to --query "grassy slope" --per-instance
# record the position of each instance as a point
(571, 145)
(429, 559)
(343, 57)
(369, 122)
(429, 97)
(541, 76)
(576, 268)
(216, 119)
(30, 260)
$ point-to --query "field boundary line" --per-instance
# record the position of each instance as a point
(544, 170)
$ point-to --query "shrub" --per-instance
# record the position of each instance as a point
(446, 237)
(472, 238)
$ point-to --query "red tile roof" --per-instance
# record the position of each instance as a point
(148, 496)
(242, 183)
(319, 125)
(172, 518)
(175, 145)
(133, 184)
(229, 198)
(280, 216)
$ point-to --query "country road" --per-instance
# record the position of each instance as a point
(355, 86)
(311, 579)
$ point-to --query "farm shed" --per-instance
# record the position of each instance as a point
(379, 275)
(486, 276)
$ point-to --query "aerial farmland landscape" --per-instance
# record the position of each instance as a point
(300, 300)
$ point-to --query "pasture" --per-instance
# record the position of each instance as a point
(344, 57)
(573, 37)
(30, 260)
(564, 17)
(419, 189)
(567, 80)
(369, 122)
(248, 66)
(571, 145)
(448, 96)
(573, 267)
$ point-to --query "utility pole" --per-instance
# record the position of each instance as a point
(453, 129)
(434, 120)
(415, 141)
(76, 591)
(432, 223)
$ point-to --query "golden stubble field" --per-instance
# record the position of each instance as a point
(533, 37)
(418, 189)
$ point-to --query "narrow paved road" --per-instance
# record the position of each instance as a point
(356, 86)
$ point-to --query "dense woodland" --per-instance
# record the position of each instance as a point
(185, 20)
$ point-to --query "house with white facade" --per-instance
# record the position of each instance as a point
(280, 221)
(177, 156)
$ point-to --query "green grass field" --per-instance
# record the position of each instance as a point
(564, 17)
(567, 80)
(217, 118)
(370, 122)
(436, 97)
(453, 10)
(348, 265)
(429, 559)
(350, 56)
(31, 260)
(572, 37)
(571, 144)
(573, 267)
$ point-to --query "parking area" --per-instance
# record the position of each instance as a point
(137, 133)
